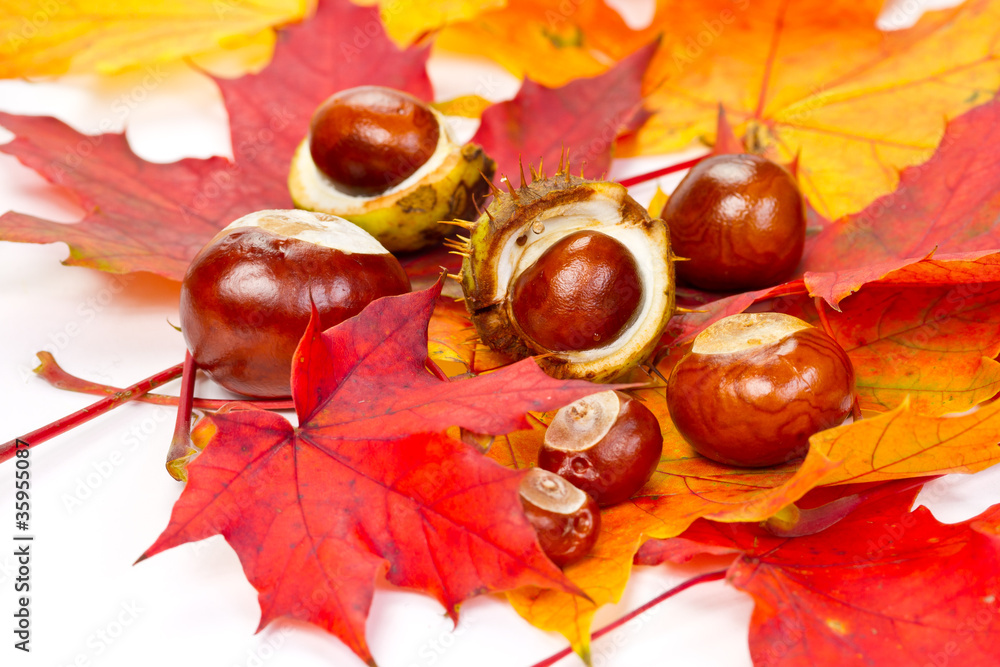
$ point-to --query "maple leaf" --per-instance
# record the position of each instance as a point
(929, 331)
(407, 21)
(858, 591)
(341, 47)
(144, 216)
(140, 216)
(819, 80)
(934, 345)
(949, 204)
(549, 41)
(582, 118)
(903, 443)
(366, 483)
(50, 38)
(684, 487)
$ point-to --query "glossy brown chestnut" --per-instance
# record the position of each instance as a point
(740, 222)
(754, 387)
(245, 299)
(607, 445)
(565, 518)
(366, 140)
(579, 294)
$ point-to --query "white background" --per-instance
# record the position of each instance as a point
(100, 494)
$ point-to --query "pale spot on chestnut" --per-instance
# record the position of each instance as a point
(248, 294)
(566, 520)
(756, 386)
(607, 444)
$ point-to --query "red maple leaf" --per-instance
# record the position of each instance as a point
(948, 204)
(582, 118)
(947, 208)
(884, 586)
(366, 483)
(144, 216)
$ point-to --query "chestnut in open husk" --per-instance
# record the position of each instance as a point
(390, 163)
(572, 271)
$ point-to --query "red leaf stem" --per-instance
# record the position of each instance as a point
(50, 371)
(60, 426)
(181, 446)
(683, 586)
(642, 178)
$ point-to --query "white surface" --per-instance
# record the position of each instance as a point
(100, 495)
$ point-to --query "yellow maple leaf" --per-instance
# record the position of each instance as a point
(684, 488)
(54, 37)
(406, 21)
(550, 41)
(820, 81)
(812, 79)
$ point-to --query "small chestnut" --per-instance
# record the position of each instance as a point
(739, 220)
(607, 444)
(247, 295)
(580, 293)
(368, 139)
(566, 520)
(754, 387)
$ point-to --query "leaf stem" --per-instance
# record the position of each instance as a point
(795, 522)
(50, 371)
(181, 447)
(60, 426)
(642, 178)
(825, 322)
(693, 581)
(823, 319)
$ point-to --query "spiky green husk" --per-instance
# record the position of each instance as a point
(551, 201)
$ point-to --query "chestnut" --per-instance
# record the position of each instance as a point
(247, 295)
(754, 387)
(566, 520)
(579, 294)
(368, 139)
(607, 444)
(740, 222)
